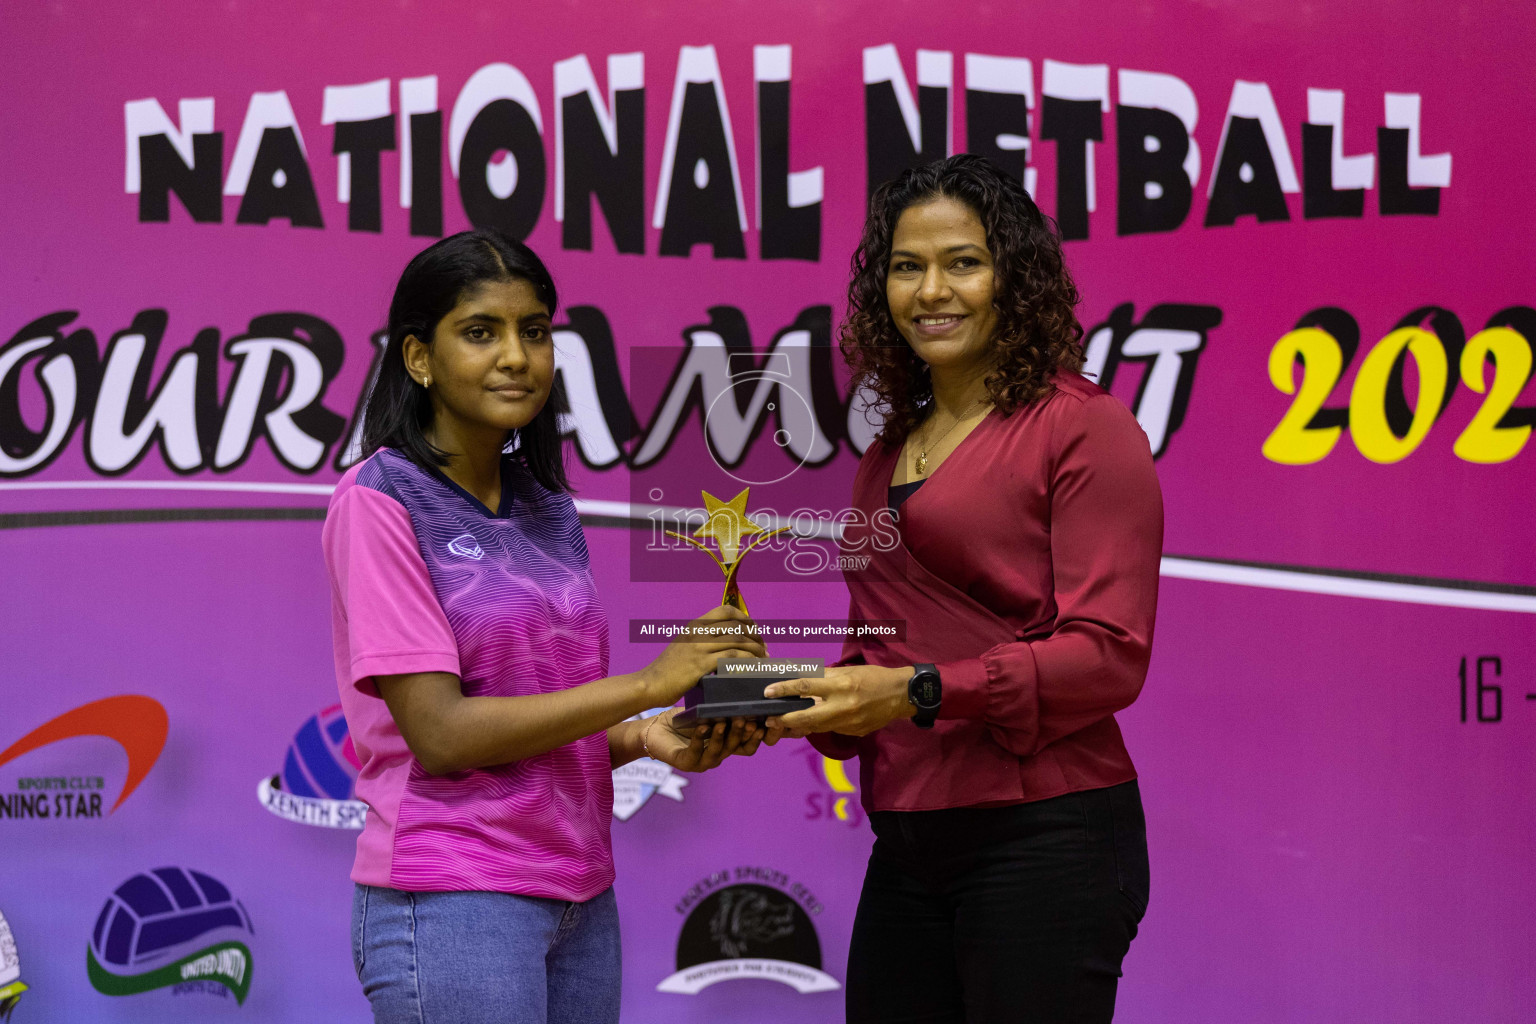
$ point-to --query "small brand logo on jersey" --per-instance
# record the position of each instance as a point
(319, 772)
(466, 545)
(751, 923)
(171, 928)
(636, 782)
(67, 789)
(11, 985)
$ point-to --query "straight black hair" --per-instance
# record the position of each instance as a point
(398, 409)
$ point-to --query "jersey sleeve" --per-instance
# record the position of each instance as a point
(387, 613)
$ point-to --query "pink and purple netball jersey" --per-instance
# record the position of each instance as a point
(425, 579)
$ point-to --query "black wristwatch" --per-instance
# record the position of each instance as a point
(925, 691)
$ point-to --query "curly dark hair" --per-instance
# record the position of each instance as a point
(1037, 329)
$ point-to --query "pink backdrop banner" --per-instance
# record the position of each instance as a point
(1302, 240)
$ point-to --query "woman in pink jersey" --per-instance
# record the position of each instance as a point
(472, 660)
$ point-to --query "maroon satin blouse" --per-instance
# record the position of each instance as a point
(1027, 572)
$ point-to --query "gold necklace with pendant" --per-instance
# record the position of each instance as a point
(921, 464)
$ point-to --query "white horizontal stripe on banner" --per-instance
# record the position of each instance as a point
(1174, 567)
(1345, 586)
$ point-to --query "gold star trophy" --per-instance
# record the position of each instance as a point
(726, 693)
(727, 525)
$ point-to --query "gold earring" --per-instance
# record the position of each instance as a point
(426, 381)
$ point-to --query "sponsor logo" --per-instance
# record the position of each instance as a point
(636, 782)
(749, 923)
(137, 724)
(11, 985)
(835, 799)
(319, 773)
(466, 545)
(171, 928)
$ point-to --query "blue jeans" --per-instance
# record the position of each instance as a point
(484, 957)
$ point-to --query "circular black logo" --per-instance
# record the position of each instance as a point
(748, 921)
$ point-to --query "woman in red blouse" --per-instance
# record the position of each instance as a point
(1009, 871)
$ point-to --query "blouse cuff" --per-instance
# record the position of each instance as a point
(966, 690)
(835, 745)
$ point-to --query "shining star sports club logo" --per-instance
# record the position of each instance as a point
(61, 786)
(636, 782)
(319, 776)
(750, 923)
(171, 928)
(11, 985)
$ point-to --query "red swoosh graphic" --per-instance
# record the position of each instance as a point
(138, 724)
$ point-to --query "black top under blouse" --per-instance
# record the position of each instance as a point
(899, 493)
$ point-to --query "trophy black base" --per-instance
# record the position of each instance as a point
(737, 696)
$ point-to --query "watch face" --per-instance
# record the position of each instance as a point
(925, 690)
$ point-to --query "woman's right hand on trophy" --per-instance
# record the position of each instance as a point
(723, 632)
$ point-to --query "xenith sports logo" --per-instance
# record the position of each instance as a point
(752, 922)
(68, 790)
(171, 928)
(11, 985)
(636, 782)
(319, 775)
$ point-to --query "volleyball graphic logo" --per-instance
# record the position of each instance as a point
(169, 926)
(319, 772)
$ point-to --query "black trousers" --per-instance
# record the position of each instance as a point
(1000, 915)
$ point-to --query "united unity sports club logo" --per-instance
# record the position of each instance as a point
(319, 776)
(11, 985)
(750, 923)
(171, 928)
(63, 786)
